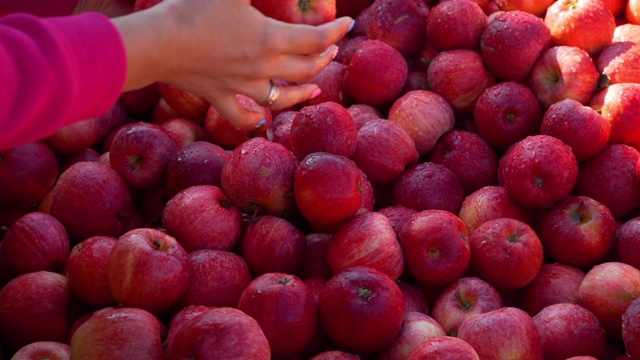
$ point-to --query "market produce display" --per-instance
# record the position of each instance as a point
(466, 186)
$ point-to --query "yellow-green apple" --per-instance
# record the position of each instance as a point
(462, 299)
(383, 150)
(258, 177)
(327, 188)
(428, 185)
(51, 350)
(507, 253)
(148, 269)
(626, 32)
(330, 80)
(469, 156)
(188, 216)
(231, 274)
(488, 203)
(273, 244)
(424, 115)
(618, 62)
(501, 334)
(417, 327)
(178, 320)
(284, 308)
(36, 241)
(361, 310)
(435, 244)
(607, 290)
(455, 24)
(399, 23)
(569, 330)
(585, 130)
(27, 173)
(398, 215)
(223, 133)
(86, 271)
(618, 104)
(535, 7)
(631, 329)
(586, 24)
(34, 307)
(555, 283)
(315, 263)
(577, 230)
(365, 83)
(183, 131)
(367, 239)
(199, 163)
(516, 35)
(118, 333)
(460, 76)
(91, 199)
(327, 127)
(444, 348)
(626, 243)
(186, 104)
(311, 12)
(139, 153)
(219, 333)
(610, 178)
(538, 171)
(564, 72)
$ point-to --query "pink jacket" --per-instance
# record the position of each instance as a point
(54, 69)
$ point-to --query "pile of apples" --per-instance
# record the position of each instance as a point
(467, 186)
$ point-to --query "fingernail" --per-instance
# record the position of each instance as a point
(352, 25)
(315, 93)
(335, 52)
(261, 123)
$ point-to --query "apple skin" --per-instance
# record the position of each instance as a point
(330, 80)
(351, 8)
(535, 7)
(626, 32)
(258, 177)
(579, 126)
(607, 290)
(183, 131)
(139, 5)
(577, 230)
(140, 102)
(91, 199)
(459, 76)
(315, 263)
(220, 333)
(538, 171)
(52, 350)
(512, 244)
(199, 163)
(516, 35)
(444, 348)
(285, 309)
(564, 72)
(86, 154)
(183, 102)
(232, 276)
(631, 329)
(555, 283)
(488, 203)
(455, 24)
(36, 241)
(619, 62)
(27, 173)
(361, 309)
(504, 333)
(399, 23)
(148, 269)
(335, 354)
(367, 239)
(179, 319)
(34, 307)
(462, 299)
(618, 104)
(627, 245)
(118, 333)
(398, 216)
(429, 186)
(187, 217)
(162, 112)
(435, 245)
(586, 24)
(282, 128)
(313, 12)
(417, 327)
(569, 330)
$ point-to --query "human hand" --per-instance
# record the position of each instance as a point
(110, 8)
(220, 48)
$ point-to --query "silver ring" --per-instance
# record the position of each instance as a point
(274, 95)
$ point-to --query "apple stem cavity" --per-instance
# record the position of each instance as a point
(304, 5)
(285, 281)
(513, 238)
(434, 252)
(135, 162)
(464, 305)
(365, 294)
(225, 204)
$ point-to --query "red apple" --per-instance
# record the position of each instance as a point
(626, 32)
(429, 186)
(139, 5)
(330, 80)
(118, 334)
(314, 12)
(398, 216)
(199, 163)
(86, 154)
(515, 35)
(183, 131)
(416, 328)
(416, 80)
(335, 354)
(488, 203)
(632, 11)
(627, 242)
(179, 319)
(444, 348)
(555, 283)
(86, 271)
(285, 309)
(183, 102)
(231, 274)
(51, 350)
(502, 334)
(281, 126)
(507, 253)
(618, 104)
(456, 24)
(505, 113)
(435, 246)
(569, 330)
(361, 113)
(586, 24)
(351, 7)
(631, 329)
(162, 112)
(619, 62)
(148, 269)
(361, 310)
(202, 217)
(315, 263)
(140, 102)
(535, 7)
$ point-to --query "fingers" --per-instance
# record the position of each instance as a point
(302, 68)
(306, 39)
(230, 109)
(295, 94)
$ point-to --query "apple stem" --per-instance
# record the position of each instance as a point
(365, 294)
(463, 304)
(513, 238)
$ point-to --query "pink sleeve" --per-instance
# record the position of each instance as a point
(38, 7)
(56, 71)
